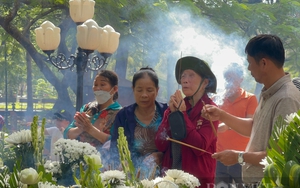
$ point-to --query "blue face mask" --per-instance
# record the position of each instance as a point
(102, 96)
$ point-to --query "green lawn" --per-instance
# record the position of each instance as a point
(23, 106)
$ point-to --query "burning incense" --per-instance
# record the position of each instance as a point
(212, 125)
(182, 143)
(138, 174)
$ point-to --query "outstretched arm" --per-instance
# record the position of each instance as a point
(230, 157)
(234, 122)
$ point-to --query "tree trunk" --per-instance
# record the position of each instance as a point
(126, 97)
(29, 109)
(29, 85)
(122, 59)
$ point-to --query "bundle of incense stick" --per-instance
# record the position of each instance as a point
(212, 125)
(182, 143)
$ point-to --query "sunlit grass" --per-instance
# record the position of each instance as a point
(23, 106)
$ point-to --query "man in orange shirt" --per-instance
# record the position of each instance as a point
(240, 103)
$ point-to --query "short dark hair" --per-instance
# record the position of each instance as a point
(266, 45)
(145, 71)
(112, 79)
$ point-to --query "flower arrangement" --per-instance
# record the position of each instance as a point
(282, 163)
(70, 154)
(173, 178)
(27, 145)
(79, 162)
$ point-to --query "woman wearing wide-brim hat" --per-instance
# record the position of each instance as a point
(182, 121)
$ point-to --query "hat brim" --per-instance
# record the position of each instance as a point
(64, 116)
(58, 116)
(200, 67)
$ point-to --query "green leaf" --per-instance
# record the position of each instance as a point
(46, 177)
(294, 176)
(271, 174)
(283, 153)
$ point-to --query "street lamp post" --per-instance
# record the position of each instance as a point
(90, 37)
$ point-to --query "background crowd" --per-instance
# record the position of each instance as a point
(225, 134)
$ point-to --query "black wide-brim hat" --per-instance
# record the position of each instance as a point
(200, 67)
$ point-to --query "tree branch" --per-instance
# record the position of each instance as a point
(13, 12)
(26, 28)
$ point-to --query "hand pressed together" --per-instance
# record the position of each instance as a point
(83, 122)
(176, 102)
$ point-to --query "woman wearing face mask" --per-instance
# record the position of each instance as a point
(140, 122)
(92, 124)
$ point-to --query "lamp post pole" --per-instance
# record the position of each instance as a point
(90, 37)
(81, 63)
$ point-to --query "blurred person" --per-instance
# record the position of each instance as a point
(196, 80)
(61, 119)
(140, 122)
(279, 97)
(238, 102)
(2, 122)
(93, 122)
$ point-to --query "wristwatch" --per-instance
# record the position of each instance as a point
(241, 158)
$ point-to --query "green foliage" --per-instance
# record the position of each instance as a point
(38, 139)
(44, 89)
(13, 178)
(21, 155)
(125, 158)
(44, 176)
(7, 156)
(141, 24)
(89, 177)
(283, 154)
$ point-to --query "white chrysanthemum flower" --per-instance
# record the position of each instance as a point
(164, 183)
(48, 185)
(167, 184)
(19, 137)
(69, 151)
(169, 178)
(290, 118)
(193, 181)
(48, 164)
(178, 178)
(157, 180)
(175, 174)
(266, 162)
(53, 167)
(147, 183)
(113, 177)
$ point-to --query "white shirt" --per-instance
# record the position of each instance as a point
(55, 134)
